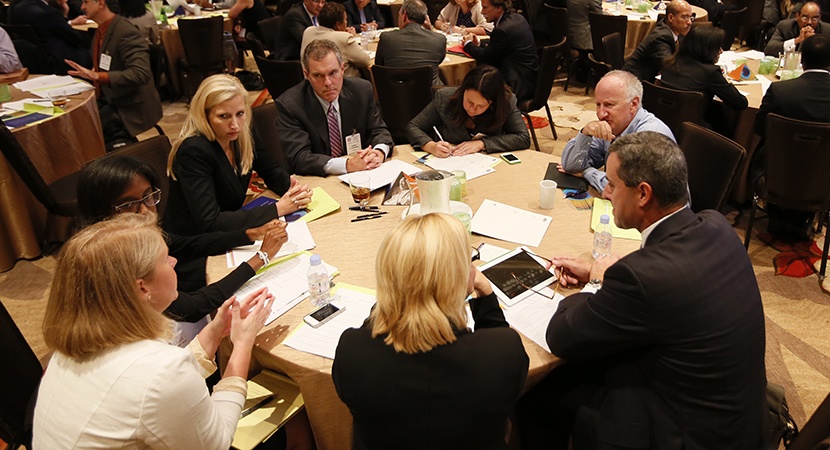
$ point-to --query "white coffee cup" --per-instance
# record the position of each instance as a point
(547, 194)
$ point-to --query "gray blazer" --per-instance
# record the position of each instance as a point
(579, 30)
(412, 46)
(513, 135)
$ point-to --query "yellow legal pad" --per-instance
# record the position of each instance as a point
(321, 204)
(603, 206)
(265, 421)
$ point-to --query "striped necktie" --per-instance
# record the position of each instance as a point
(334, 133)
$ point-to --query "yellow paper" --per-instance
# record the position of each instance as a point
(265, 421)
(603, 206)
(48, 110)
(321, 204)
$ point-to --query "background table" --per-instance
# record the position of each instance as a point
(640, 24)
(352, 248)
(58, 146)
(453, 69)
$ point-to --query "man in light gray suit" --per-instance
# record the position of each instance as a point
(412, 45)
(579, 30)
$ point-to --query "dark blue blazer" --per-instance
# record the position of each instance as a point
(371, 12)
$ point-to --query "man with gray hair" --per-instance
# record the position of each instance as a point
(412, 45)
(664, 347)
(617, 96)
(326, 121)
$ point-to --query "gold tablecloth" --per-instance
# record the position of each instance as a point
(57, 147)
(352, 248)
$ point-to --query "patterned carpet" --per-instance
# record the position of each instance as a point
(797, 311)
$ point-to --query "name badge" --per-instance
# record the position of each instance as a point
(353, 143)
(105, 62)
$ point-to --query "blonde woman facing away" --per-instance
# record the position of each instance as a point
(113, 382)
(414, 376)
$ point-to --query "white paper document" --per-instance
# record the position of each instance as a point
(53, 86)
(299, 239)
(508, 223)
(532, 315)
(385, 174)
(323, 340)
(475, 165)
(287, 281)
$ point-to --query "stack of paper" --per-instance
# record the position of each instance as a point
(299, 239)
(52, 86)
(507, 223)
(474, 165)
(532, 315)
(385, 174)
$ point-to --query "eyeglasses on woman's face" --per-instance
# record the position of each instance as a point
(150, 200)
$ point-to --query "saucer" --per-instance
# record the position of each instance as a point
(454, 208)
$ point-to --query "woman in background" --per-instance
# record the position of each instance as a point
(692, 68)
(117, 184)
(465, 14)
(414, 376)
(479, 115)
(113, 382)
(210, 168)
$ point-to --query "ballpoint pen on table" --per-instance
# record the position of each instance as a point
(370, 215)
(363, 208)
(259, 404)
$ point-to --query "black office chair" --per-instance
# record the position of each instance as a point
(36, 58)
(712, 161)
(731, 25)
(154, 152)
(270, 29)
(673, 106)
(279, 76)
(18, 391)
(614, 50)
(402, 94)
(549, 65)
(203, 42)
(602, 25)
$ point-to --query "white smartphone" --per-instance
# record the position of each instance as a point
(323, 314)
(510, 158)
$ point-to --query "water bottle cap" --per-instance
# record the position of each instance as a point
(604, 219)
(315, 260)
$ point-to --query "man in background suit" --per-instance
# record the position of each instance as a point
(790, 33)
(323, 117)
(294, 23)
(511, 49)
(804, 98)
(128, 103)
(364, 12)
(332, 26)
(59, 39)
(664, 347)
(579, 29)
(648, 59)
(412, 45)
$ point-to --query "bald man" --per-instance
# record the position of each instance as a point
(790, 33)
(647, 61)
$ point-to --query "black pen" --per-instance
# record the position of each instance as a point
(363, 208)
(262, 403)
(368, 217)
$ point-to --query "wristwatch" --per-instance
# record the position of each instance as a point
(595, 283)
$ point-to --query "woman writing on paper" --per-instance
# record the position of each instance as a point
(113, 382)
(479, 115)
(414, 376)
(210, 168)
(116, 184)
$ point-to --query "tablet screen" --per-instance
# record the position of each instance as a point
(527, 270)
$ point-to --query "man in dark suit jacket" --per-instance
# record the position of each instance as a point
(371, 14)
(804, 98)
(790, 33)
(665, 347)
(511, 49)
(326, 117)
(294, 23)
(412, 45)
(121, 69)
(648, 59)
(59, 39)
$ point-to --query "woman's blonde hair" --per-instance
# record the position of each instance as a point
(95, 304)
(214, 90)
(422, 271)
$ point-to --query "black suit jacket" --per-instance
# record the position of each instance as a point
(455, 396)
(647, 60)
(290, 36)
(304, 127)
(804, 98)
(371, 12)
(684, 313)
(59, 39)
(412, 46)
(694, 75)
(512, 50)
(786, 30)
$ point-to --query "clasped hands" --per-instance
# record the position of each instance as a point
(297, 197)
(367, 159)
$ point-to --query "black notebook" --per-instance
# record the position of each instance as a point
(564, 180)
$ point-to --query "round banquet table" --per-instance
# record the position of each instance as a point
(454, 67)
(640, 24)
(57, 147)
(352, 247)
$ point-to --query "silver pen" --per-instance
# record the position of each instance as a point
(260, 404)
(438, 132)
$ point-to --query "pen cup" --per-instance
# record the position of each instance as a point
(547, 194)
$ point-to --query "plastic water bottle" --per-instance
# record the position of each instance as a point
(318, 282)
(602, 237)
